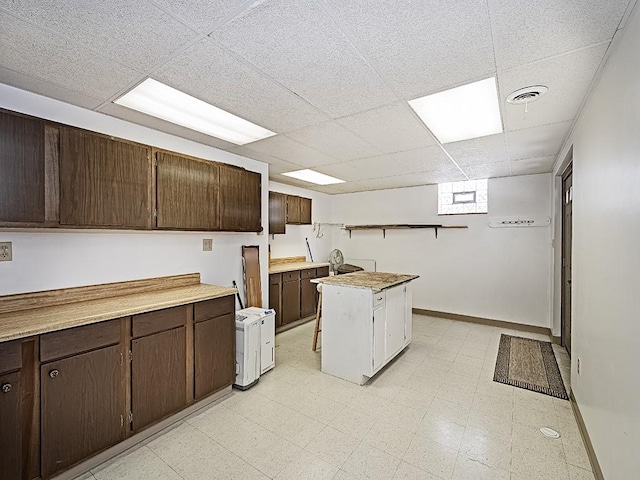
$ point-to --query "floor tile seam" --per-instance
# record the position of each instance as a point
(167, 463)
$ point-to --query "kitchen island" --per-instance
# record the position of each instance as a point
(366, 322)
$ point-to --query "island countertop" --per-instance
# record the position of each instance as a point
(376, 281)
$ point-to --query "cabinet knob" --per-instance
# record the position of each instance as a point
(54, 373)
(6, 387)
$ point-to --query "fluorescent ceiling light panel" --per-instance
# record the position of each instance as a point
(312, 176)
(465, 112)
(162, 101)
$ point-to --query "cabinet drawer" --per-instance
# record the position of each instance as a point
(291, 276)
(322, 272)
(310, 273)
(159, 321)
(275, 278)
(378, 299)
(79, 340)
(215, 308)
(10, 356)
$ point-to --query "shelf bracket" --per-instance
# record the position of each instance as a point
(384, 233)
(435, 229)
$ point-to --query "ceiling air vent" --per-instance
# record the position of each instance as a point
(527, 94)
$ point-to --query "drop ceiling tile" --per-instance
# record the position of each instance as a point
(278, 166)
(376, 167)
(283, 148)
(344, 171)
(137, 34)
(335, 140)
(448, 174)
(330, 189)
(36, 53)
(417, 46)
(392, 128)
(299, 45)
(419, 160)
(488, 170)
(41, 87)
(537, 141)
(528, 30)
(568, 78)
(202, 15)
(483, 150)
(216, 76)
(529, 166)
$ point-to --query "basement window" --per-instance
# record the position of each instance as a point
(459, 198)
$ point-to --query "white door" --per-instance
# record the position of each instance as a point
(379, 334)
(396, 320)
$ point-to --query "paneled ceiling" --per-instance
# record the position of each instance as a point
(330, 77)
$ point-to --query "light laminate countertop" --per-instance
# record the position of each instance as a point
(293, 266)
(25, 323)
(376, 281)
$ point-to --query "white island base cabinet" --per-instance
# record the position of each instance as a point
(363, 329)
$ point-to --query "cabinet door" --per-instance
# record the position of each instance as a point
(158, 376)
(187, 193)
(396, 320)
(240, 200)
(275, 299)
(379, 337)
(290, 301)
(277, 212)
(22, 169)
(307, 295)
(305, 211)
(10, 419)
(293, 209)
(83, 407)
(104, 182)
(215, 354)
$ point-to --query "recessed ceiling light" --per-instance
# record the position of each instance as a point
(461, 113)
(312, 176)
(162, 101)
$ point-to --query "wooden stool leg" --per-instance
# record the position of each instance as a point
(317, 329)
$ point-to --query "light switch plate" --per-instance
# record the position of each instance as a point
(207, 244)
(6, 254)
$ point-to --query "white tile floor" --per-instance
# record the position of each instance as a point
(434, 413)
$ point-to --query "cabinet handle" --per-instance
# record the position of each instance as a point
(54, 373)
(6, 387)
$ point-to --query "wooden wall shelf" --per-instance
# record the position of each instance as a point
(405, 226)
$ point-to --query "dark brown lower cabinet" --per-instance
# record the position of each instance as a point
(83, 407)
(11, 434)
(290, 301)
(214, 350)
(275, 297)
(308, 296)
(158, 376)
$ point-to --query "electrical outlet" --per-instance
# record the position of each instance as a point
(579, 366)
(207, 244)
(6, 254)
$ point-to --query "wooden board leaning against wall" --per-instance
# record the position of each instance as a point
(54, 176)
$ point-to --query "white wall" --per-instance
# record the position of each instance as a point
(49, 259)
(292, 243)
(606, 259)
(497, 273)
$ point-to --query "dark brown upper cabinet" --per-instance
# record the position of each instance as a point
(240, 200)
(277, 212)
(22, 169)
(298, 210)
(293, 209)
(187, 193)
(305, 211)
(104, 182)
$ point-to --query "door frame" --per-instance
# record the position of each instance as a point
(568, 171)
